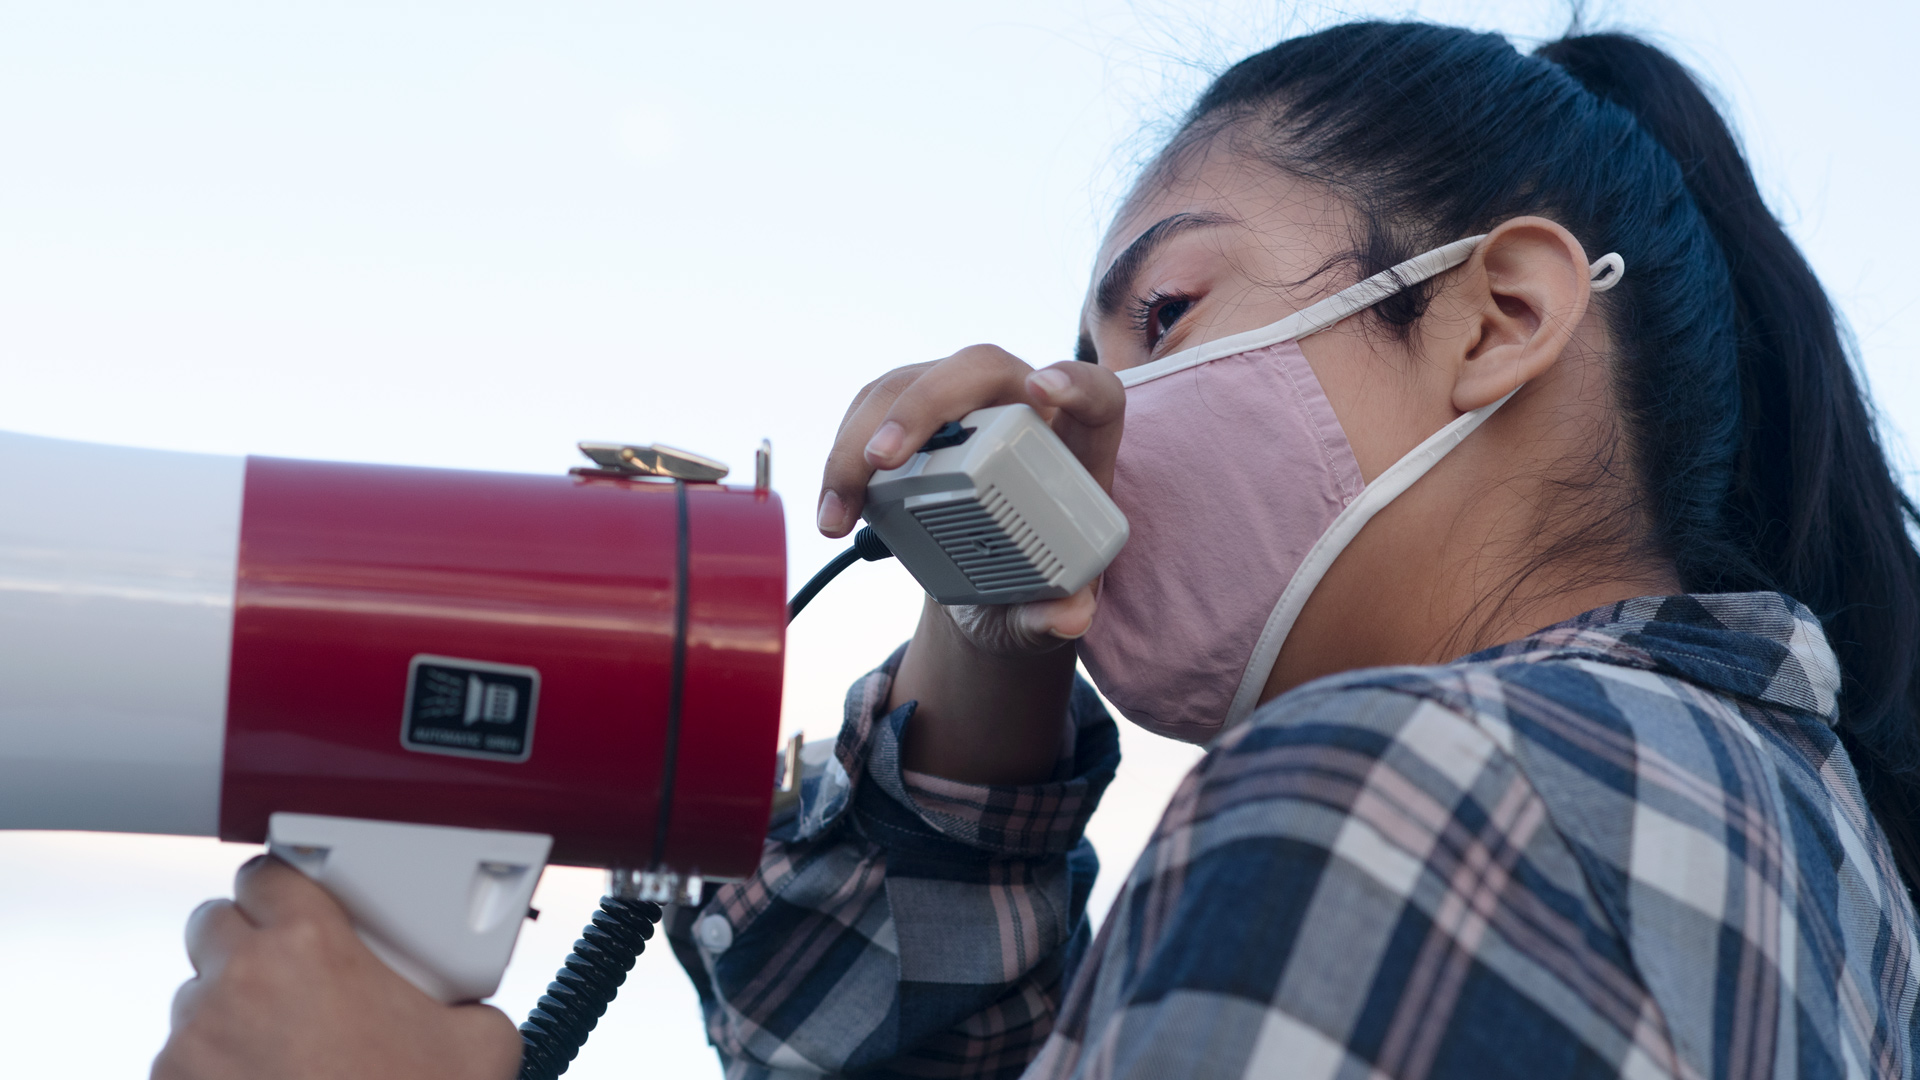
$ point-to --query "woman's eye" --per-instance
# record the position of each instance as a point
(1169, 314)
(1154, 315)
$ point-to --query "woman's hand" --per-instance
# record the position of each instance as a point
(895, 414)
(283, 988)
(992, 682)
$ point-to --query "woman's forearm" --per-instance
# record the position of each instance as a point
(982, 718)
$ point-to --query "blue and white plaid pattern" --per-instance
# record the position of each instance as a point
(1628, 845)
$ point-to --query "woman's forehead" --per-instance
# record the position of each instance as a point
(1233, 188)
(1166, 190)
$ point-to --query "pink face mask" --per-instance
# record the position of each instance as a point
(1240, 490)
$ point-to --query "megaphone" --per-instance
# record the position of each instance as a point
(419, 686)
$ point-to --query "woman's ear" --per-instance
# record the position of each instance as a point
(1527, 288)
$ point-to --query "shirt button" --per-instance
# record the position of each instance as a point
(714, 932)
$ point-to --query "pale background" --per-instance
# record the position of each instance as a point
(468, 234)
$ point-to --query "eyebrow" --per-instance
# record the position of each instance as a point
(1117, 282)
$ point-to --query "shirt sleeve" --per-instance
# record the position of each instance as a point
(901, 924)
(1360, 883)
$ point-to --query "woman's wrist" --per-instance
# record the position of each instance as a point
(982, 717)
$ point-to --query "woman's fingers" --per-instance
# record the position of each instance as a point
(1090, 406)
(973, 378)
(213, 930)
(271, 893)
(896, 414)
(185, 1001)
(843, 488)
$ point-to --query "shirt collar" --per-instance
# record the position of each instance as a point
(1763, 646)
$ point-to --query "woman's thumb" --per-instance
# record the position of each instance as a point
(1049, 622)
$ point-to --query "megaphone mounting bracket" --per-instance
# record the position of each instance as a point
(623, 461)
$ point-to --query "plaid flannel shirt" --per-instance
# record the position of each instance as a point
(1628, 845)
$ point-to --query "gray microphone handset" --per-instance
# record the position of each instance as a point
(991, 510)
(995, 509)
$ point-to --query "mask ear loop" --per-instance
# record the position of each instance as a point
(1315, 317)
(1604, 273)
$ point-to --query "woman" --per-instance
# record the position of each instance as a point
(1595, 390)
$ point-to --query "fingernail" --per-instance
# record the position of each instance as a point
(885, 442)
(1052, 380)
(833, 513)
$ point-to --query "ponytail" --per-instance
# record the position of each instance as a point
(1814, 509)
(1758, 462)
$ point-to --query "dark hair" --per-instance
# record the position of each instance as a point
(1754, 451)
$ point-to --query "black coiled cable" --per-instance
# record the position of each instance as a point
(581, 992)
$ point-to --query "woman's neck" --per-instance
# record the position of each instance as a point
(1501, 539)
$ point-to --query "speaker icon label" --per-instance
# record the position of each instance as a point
(470, 708)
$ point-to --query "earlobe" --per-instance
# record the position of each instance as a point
(1527, 290)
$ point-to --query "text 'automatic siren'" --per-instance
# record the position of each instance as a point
(470, 707)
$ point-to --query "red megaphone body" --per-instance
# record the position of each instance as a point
(254, 648)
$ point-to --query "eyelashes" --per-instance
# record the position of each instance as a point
(1156, 313)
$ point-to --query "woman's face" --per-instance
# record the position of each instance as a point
(1225, 245)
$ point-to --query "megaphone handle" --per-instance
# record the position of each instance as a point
(441, 905)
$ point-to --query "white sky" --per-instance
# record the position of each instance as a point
(469, 234)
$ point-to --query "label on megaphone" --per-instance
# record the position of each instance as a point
(470, 708)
